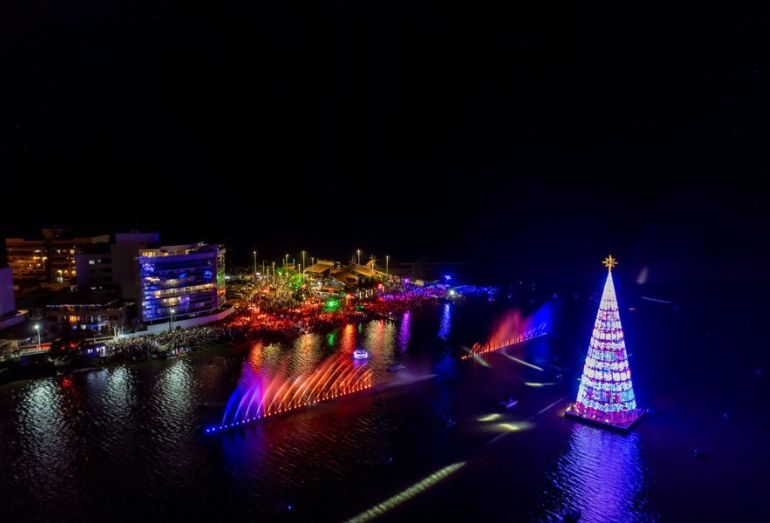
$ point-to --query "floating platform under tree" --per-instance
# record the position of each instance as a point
(623, 423)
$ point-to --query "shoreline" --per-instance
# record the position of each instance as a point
(41, 366)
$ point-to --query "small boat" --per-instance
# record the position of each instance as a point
(179, 351)
(360, 354)
(396, 367)
(508, 403)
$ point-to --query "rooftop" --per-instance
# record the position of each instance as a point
(67, 297)
(320, 267)
(363, 270)
(179, 250)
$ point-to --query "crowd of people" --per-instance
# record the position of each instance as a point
(267, 316)
(141, 347)
(315, 313)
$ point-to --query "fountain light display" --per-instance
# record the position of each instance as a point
(262, 396)
(512, 330)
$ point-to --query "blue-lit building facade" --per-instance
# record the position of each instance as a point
(181, 280)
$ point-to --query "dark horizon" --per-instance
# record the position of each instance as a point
(508, 137)
(711, 238)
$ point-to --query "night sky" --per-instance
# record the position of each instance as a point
(525, 137)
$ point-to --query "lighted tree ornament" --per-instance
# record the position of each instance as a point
(606, 393)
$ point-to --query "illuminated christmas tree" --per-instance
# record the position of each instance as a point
(606, 393)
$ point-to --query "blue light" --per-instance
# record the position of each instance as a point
(448, 277)
(446, 322)
(165, 273)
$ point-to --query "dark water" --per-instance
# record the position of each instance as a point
(124, 443)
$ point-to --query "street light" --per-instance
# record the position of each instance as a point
(303, 258)
(387, 261)
(255, 263)
(37, 328)
(358, 253)
(286, 260)
(171, 319)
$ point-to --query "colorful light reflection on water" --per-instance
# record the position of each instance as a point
(405, 332)
(89, 445)
(446, 322)
(601, 475)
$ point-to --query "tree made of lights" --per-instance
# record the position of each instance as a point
(606, 393)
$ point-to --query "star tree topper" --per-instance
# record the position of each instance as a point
(610, 262)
